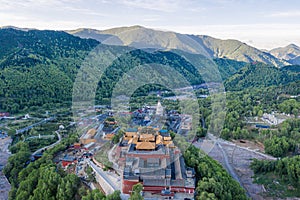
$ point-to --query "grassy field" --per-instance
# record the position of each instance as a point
(275, 186)
(102, 157)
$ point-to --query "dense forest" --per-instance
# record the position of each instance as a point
(260, 75)
(286, 171)
(38, 69)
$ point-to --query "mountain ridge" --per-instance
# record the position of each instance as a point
(291, 53)
(38, 68)
(139, 36)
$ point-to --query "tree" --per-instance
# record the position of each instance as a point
(136, 192)
(114, 196)
(201, 132)
(277, 146)
(94, 195)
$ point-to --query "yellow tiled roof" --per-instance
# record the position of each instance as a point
(167, 138)
(91, 132)
(145, 145)
(158, 139)
(147, 137)
(130, 134)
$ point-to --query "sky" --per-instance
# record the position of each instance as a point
(264, 24)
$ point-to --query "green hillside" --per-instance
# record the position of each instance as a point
(38, 69)
(141, 37)
(261, 75)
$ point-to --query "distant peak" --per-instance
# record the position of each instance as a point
(136, 26)
(4, 27)
(292, 46)
(16, 28)
(129, 27)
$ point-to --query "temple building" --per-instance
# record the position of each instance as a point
(159, 109)
(149, 157)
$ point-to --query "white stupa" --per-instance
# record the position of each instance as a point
(159, 109)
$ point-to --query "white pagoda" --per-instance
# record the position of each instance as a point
(159, 109)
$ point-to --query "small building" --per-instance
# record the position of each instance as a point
(4, 114)
(111, 122)
(77, 145)
(88, 137)
(68, 160)
(261, 126)
(26, 116)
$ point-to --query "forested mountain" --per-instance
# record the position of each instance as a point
(291, 53)
(259, 75)
(38, 68)
(139, 37)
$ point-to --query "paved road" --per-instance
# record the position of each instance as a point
(51, 145)
(40, 137)
(103, 175)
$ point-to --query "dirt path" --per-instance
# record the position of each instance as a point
(238, 159)
(4, 155)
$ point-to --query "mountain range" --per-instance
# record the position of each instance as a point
(141, 37)
(39, 67)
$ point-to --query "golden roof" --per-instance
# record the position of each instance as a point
(145, 145)
(168, 143)
(92, 132)
(130, 141)
(158, 139)
(127, 138)
(147, 137)
(130, 134)
(135, 139)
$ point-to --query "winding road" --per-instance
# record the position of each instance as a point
(35, 124)
(51, 145)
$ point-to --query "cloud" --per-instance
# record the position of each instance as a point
(285, 14)
(157, 5)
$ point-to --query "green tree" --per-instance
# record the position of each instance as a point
(136, 192)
